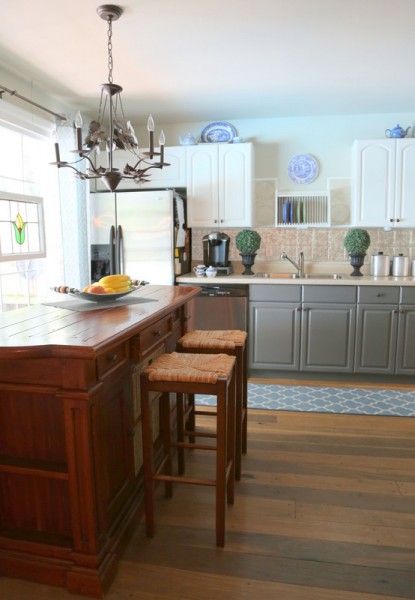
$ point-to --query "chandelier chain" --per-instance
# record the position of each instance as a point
(110, 60)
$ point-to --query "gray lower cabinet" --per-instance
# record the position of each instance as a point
(321, 328)
(377, 329)
(274, 327)
(307, 328)
(405, 346)
(328, 328)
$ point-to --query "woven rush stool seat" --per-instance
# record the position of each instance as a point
(234, 343)
(182, 373)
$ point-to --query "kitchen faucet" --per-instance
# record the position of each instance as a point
(298, 265)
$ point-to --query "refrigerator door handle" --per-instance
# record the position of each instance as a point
(112, 250)
(119, 251)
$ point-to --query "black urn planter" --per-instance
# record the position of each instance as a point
(247, 261)
(357, 260)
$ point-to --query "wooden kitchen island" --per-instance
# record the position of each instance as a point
(70, 433)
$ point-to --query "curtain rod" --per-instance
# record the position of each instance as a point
(3, 89)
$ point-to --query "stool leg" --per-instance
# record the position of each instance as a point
(245, 400)
(232, 451)
(191, 419)
(180, 432)
(147, 433)
(239, 414)
(221, 466)
(165, 430)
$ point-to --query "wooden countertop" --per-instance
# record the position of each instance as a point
(44, 330)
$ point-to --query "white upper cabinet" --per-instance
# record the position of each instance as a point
(384, 183)
(219, 185)
(173, 176)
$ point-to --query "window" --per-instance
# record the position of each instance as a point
(31, 256)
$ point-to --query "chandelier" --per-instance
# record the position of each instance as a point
(120, 133)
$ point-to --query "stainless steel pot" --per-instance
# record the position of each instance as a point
(380, 265)
(400, 267)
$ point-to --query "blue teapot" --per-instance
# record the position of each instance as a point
(397, 132)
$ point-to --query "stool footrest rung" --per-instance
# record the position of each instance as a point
(182, 479)
(205, 434)
(207, 413)
(193, 446)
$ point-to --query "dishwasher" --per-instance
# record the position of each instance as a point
(219, 306)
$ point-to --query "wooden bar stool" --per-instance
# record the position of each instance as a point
(181, 373)
(234, 343)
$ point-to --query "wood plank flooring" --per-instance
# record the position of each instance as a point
(325, 510)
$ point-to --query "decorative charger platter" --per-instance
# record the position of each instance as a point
(95, 297)
(219, 131)
(100, 297)
(302, 168)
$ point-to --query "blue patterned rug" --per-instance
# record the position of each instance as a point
(361, 401)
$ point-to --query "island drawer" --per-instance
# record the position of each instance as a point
(111, 358)
(154, 334)
(378, 294)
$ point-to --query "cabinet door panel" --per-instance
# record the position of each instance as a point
(328, 334)
(374, 182)
(274, 335)
(405, 183)
(405, 357)
(376, 339)
(235, 185)
(202, 185)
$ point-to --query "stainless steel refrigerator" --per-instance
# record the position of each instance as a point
(137, 233)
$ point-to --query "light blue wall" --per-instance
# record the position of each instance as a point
(327, 138)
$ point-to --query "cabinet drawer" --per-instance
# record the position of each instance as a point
(275, 293)
(407, 295)
(378, 294)
(329, 293)
(154, 335)
(110, 358)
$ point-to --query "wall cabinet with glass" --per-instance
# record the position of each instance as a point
(384, 183)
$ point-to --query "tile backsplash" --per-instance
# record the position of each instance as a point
(319, 245)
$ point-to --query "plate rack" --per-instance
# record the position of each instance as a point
(302, 210)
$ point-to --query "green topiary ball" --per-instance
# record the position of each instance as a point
(248, 241)
(357, 241)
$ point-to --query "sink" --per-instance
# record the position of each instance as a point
(296, 276)
(323, 276)
(277, 275)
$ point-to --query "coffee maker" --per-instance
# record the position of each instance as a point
(216, 252)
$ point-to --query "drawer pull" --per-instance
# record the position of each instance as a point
(112, 357)
(380, 295)
(157, 332)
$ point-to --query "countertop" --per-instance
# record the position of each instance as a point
(44, 331)
(314, 280)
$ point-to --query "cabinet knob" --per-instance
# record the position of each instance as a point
(157, 332)
(298, 309)
(215, 220)
(391, 220)
(397, 220)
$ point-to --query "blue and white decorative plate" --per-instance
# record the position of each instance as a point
(220, 131)
(303, 168)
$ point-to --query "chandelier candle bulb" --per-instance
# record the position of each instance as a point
(150, 128)
(162, 141)
(57, 153)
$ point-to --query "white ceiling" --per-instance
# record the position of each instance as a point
(191, 60)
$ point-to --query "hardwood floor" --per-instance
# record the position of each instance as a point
(325, 510)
